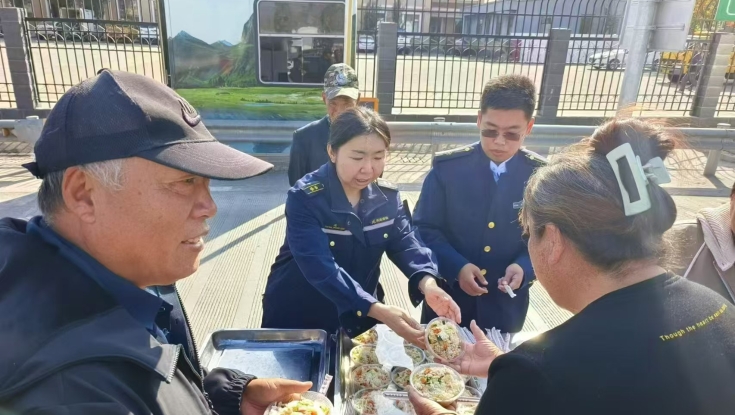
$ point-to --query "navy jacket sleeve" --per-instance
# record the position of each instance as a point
(299, 159)
(310, 249)
(224, 388)
(410, 255)
(429, 219)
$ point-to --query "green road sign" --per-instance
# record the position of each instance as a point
(726, 11)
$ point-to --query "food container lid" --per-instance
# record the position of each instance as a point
(366, 367)
(313, 396)
(398, 355)
(458, 341)
(455, 375)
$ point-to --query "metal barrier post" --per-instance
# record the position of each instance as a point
(552, 79)
(434, 133)
(712, 76)
(385, 77)
(713, 157)
(19, 61)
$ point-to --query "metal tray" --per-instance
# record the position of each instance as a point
(301, 355)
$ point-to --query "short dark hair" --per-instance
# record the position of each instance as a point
(509, 92)
(356, 122)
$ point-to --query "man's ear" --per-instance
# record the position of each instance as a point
(479, 119)
(324, 98)
(76, 190)
(530, 125)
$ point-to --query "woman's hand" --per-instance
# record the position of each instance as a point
(477, 357)
(262, 392)
(439, 301)
(424, 406)
(400, 322)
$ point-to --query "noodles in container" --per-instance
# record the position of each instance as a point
(370, 402)
(437, 382)
(370, 377)
(401, 377)
(310, 403)
(443, 340)
(369, 337)
(364, 355)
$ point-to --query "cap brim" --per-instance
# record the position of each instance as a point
(210, 159)
(333, 93)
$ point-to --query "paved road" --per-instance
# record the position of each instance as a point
(250, 227)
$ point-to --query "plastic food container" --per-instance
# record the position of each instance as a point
(445, 384)
(370, 402)
(443, 340)
(370, 377)
(321, 401)
(363, 355)
(370, 337)
(401, 377)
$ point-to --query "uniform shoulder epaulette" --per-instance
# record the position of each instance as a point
(533, 158)
(313, 187)
(454, 153)
(386, 184)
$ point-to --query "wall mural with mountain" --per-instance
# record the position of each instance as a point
(213, 61)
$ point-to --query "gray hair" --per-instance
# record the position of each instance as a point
(50, 198)
(578, 192)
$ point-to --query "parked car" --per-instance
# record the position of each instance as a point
(616, 59)
(365, 43)
(48, 31)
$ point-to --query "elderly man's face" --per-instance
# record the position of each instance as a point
(151, 231)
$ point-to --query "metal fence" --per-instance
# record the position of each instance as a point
(67, 51)
(7, 94)
(727, 100)
(448, 49)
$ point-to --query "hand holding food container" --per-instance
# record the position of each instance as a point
(262, 393)
(476, 358)
(399, 321)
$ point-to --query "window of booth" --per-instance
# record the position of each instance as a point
(299, 40)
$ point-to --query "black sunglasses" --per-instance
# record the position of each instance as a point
(508, 136)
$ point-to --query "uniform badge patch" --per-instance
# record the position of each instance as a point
(312, 188)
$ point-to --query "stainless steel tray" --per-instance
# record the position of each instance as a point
(301, 355)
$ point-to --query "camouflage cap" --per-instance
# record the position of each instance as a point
(341, 81)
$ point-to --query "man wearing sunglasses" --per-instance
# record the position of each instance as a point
(468, 210)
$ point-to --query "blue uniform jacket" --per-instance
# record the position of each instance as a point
(326, 274)
(465, 217)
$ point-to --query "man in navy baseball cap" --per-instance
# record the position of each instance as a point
(118, 115)
(91, 319)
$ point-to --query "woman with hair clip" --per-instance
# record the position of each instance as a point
(340, 220)
(642, 340)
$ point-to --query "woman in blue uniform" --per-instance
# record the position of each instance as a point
(340, 220)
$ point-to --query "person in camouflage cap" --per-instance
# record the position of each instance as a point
(341, 81)
(309, 146)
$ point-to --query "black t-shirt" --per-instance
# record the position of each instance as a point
(663, 346)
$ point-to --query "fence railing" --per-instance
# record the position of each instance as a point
(7, 94)
(64, 52)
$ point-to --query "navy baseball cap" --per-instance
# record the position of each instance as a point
(119, 115)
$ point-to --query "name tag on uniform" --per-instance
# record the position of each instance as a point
(517, 205)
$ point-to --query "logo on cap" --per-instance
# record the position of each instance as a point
(191, 116)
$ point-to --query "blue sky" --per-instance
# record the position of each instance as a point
(209, 20)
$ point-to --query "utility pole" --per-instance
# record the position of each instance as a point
(643, 17)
